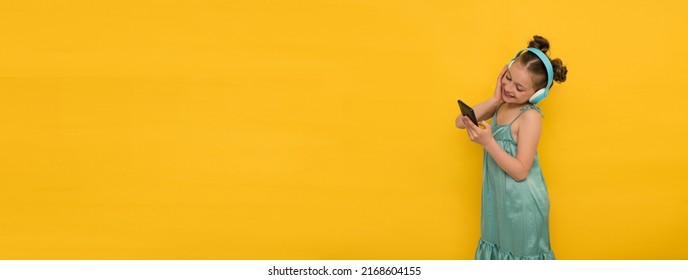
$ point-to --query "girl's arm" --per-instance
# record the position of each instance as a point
(486, 109)
(529, 130)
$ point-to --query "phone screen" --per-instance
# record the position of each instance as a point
(468, 111)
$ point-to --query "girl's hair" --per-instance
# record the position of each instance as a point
(535, 66)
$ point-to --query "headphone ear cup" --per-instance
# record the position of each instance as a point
(538, 96)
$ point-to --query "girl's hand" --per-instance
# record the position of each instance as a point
(498, 89)
(477, 134)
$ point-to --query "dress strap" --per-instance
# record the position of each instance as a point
(500, 105)
(494, 116)
(526, 108)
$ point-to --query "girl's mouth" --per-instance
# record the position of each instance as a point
(507, 95)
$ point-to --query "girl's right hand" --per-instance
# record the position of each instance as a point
(498, 89)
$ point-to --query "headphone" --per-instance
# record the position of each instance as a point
(541, 93)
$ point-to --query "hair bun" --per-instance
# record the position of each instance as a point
(560, 70)
(539, 43)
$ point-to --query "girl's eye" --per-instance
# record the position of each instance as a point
(520, 89)
(508, 78)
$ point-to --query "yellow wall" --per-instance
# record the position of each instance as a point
(325, 129)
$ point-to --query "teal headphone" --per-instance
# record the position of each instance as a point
(541, 93)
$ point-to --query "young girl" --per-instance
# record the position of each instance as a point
(515, 207)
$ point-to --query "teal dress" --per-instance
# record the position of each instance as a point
(514, 222)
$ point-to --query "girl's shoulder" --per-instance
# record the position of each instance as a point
(530, 116)
(531, 111)
(528, 124)
(533, 107)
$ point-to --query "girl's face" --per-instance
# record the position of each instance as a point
(517, 84)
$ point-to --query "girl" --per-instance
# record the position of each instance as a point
(515, 207)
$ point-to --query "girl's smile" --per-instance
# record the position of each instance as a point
(507, 95)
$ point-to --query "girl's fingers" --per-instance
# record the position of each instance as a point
(485, 124)
(470, 134)
(469, 123)
(501, 74)
(474, 132)
(475, 128)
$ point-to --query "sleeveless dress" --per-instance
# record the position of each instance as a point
(514, 221)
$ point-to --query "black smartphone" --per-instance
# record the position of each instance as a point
(467, 111)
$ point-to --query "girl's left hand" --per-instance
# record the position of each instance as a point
(477, 134)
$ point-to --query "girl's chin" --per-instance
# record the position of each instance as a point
(512, 100)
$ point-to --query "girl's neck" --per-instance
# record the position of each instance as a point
(515, 105)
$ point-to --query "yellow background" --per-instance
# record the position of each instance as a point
(325, 129)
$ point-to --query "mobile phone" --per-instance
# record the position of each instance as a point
(467, 111)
